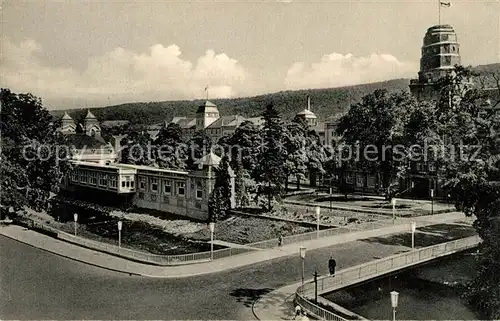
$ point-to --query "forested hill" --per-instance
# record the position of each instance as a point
(324, 103)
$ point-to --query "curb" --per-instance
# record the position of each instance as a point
(69, 258)
(125, 272)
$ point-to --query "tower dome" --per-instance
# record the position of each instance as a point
(440, 53)
(308, 115)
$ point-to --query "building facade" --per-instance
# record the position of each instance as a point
(209, 120)
(184, 193)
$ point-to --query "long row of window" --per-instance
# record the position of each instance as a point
(95, 179)
(165, 187)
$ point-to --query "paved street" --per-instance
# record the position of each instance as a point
(38, 285)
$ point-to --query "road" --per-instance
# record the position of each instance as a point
(35, 284)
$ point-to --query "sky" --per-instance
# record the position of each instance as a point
(77, 54)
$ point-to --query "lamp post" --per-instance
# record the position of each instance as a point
(302, 252)
(211, 226)
(75, 218)
(393, 211)
(318, 210)
(413, 229)
(330, 196)
(432, 201)
(315, 286)
(394, 303)
(119, 233)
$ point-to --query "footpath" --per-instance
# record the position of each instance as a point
(115, 263)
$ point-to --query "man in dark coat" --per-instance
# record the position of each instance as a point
(331, 265)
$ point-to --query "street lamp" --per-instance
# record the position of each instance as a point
(211, 226)
(316, 286)
(75, 218)
(330, 196)
(119, 233)
(413, 229)
(302, 252)
(317, 220)
(393, 211)
(432, 201)
(394, 303)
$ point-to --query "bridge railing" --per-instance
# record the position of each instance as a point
(373, 269)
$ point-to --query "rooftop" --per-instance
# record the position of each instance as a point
(229, 121)
(66, 116)
(307, 113)
(113, 123)
(151, 168)
(207, 106)
(90, 115)
(209, 159)
(80, 141)
(97, 165)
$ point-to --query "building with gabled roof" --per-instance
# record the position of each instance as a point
(209, 120)
(91, 125)
(68, 125)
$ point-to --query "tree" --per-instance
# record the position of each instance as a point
(220, 198)
(243, 186)
(34, 156)
(464, 124)
(295, 145)
(244, 144)
(198, 146)
(473, 176)
(170, 149)
(375, 126)
(137, 148)
(269, 171)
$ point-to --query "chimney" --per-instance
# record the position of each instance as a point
(308, 103)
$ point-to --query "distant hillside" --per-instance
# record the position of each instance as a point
(324, 102)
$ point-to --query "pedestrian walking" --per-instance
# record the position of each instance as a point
(332, 264)
(280, 240)
(298, 311)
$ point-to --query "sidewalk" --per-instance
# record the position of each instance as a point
(122, 265)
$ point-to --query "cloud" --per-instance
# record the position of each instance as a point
(336, 70)
(122, 75)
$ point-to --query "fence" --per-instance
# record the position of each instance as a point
(373, 269)
(191, 258)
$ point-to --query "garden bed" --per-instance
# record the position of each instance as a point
(166, 233)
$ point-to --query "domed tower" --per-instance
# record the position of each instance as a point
(206, 114)
(440, 54)
(308, 115)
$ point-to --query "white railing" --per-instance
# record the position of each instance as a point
(346, 234)
(150, 258)
(374, 269)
